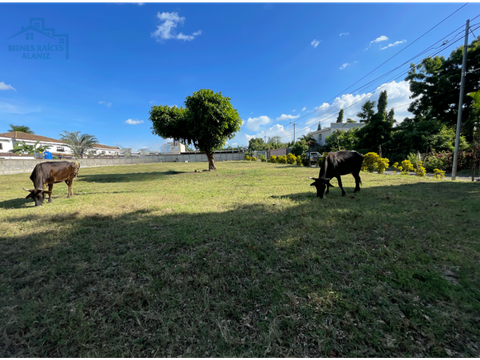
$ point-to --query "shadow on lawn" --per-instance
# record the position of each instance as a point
(284, 277)
(130, 177)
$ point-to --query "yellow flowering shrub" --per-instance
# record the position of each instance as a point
(406, 167)
(253, 158)
(438, 174)
(395, 165)
(420, 170)
(282, 159)
(247, 157)
(372, 161)
(291, 159)
(273, 159)
(299, 160)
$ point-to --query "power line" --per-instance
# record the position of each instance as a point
(445, 45)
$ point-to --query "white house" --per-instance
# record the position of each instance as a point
(56, 147)
(322, 134)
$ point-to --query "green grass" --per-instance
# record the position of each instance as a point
(160, 260)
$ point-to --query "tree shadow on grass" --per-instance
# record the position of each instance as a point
(131, 177)
(285, 277)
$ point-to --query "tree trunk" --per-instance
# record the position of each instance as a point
(211, 160)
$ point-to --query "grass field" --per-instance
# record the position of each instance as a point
(160, 260)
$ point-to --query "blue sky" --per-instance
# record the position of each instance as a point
(278, 62)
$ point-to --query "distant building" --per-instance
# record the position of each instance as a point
(322, 134)
(58, 148)
(174, 147)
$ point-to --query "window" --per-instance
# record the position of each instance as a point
(1, 146)
(319, 137)
(60, 149)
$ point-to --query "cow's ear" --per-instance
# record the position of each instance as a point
(29, 196)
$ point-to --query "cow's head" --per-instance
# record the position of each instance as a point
(321, 184)
(38, 195)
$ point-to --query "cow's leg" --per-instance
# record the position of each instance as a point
(357, 181)
(70, 188)
(50, 187)
(340, 184)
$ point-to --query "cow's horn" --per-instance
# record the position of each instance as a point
(26, 189)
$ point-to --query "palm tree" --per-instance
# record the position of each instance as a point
(78, 143)
(21, 128)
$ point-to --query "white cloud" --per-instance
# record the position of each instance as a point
(305, 108)
(275, 130)
(394, 44)
(315, 43)
(294, 110)
(344, 66)
(286, 117)
(398, 94)
(105, 103)
(152, 101)
(344, 34)
(133, 122)
(379, 39)
(4, 86)
(166, 30)
(140, 4)
(255, 123)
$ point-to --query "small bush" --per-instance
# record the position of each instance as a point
(273, 159)
(420, 170)
(434, 162)
(262, 158)
(253, 158)
(247, 157)
(395, 166)
(406, 167)
(299, 160)
(291, 159)
(282, 159)
(413, 159)
(438, 174)
(372, 161)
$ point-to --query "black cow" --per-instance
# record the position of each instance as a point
(51, 172)
(336, 164)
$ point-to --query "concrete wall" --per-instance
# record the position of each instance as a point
(16, 166)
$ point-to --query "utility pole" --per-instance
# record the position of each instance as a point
(460, 101)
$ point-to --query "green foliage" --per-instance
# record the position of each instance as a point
(340, 116)
(291, 159)
(256, 144)
(273, 159)
(253, 158)
(247, 157)
(413, 159)
(21, 147)
(78, 143)
(207, 122)
(262, 158)
(433, 162)
(378, 126)
(299, 148)
(435, 85)
(21, 128)
(342, 140)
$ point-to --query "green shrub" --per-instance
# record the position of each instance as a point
(413, 159)
(273, 159)
(247, 157)
(372, 161)
(291, 159)
(262, 158)
(253, 158)
(433, 162)
(406, 167)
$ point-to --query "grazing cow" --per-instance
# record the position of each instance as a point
(51, 172)
(336, 164)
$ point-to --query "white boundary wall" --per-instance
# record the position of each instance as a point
(16, 166)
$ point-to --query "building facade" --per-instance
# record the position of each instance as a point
(322, 134)
(58, 148)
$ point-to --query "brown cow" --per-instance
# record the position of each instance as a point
(51, 172)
